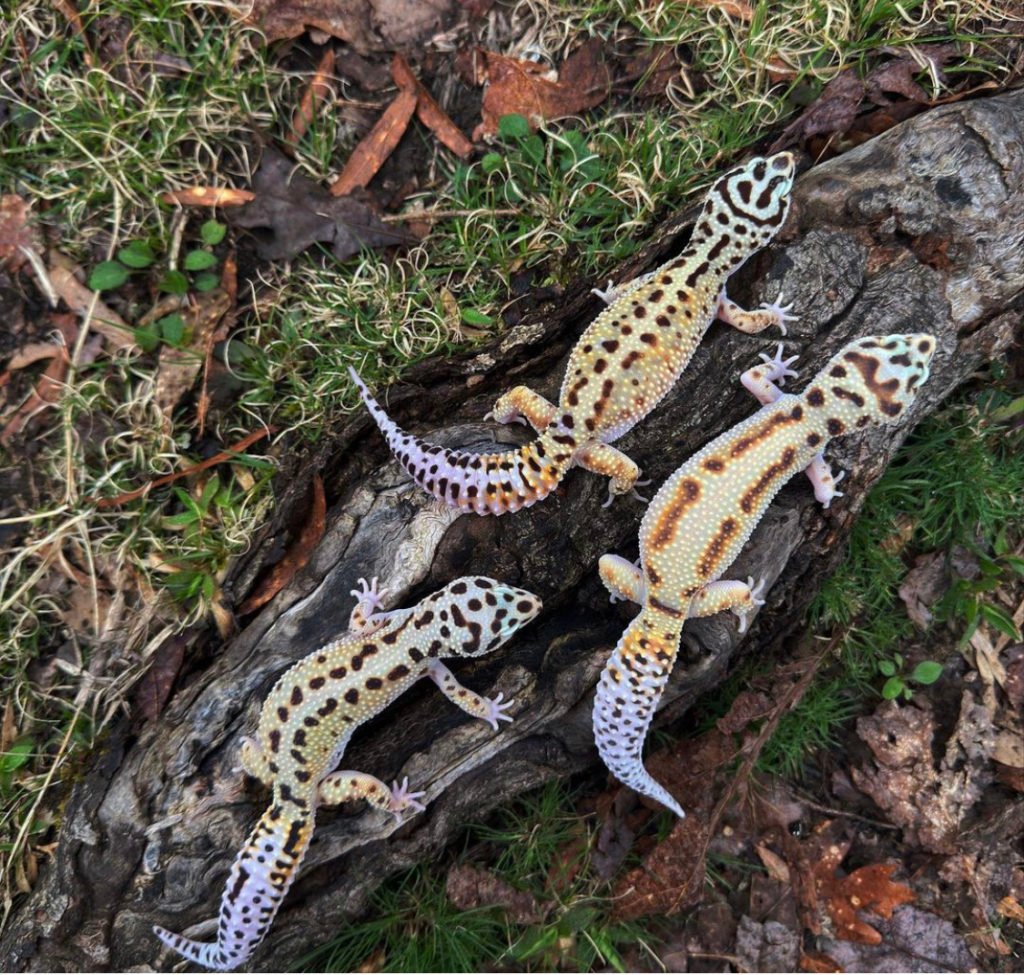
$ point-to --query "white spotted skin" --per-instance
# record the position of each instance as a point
(705, 512)
(622, 366)
(305, 726)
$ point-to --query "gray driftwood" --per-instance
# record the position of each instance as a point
(919, 229)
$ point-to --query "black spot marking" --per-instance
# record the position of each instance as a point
(352, 696)
(374, 684)
(815, 397)
(835, 427)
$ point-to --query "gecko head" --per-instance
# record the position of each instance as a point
(485, 613)
(746, 207)
(872, 380)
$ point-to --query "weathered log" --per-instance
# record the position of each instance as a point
(918, 230)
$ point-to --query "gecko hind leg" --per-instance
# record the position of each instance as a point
(522, 405)
(742, 598)
(346, 786)
(601, 458)
(624, 580)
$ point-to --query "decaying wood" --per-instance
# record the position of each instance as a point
(918, 230)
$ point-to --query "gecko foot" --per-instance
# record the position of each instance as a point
(779, 369)
(496, 710)
(780, 311)
(402, 799)
(369, 593)
(755, 601)
(608, 294)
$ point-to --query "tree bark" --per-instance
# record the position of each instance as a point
(917, 230)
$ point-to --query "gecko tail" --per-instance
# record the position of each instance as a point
(206, 954)
(488, 484)
(628, 693)
(260, 877)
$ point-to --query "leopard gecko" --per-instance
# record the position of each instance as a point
(625, 362)
(309, 717)
(705, 512)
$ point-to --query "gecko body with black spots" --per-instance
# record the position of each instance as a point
(704, 514)
(308, 719)
(622, 366)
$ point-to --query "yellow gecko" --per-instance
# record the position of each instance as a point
(625, 362)
(704, 513)
(309, 717)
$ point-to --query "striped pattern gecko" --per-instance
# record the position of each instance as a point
(309, 717)
(705, 512)
(624, 363)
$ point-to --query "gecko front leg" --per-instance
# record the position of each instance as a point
(491, 710)
(751, 322)
(346, 786)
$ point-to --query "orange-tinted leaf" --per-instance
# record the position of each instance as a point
(428, 111)
(376, 145)
(523, 88)
(297, 555)
(208, 196)
(816, 961)
(867, 889)
(82, 301)
(318, 90)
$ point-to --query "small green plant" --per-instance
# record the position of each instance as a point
(966, 597)
(897, 683)
(139, 255)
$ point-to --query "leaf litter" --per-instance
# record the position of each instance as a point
(291, 213)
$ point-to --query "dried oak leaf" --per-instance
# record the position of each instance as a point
(833, 111)
(296, 556)
(523, 87)
(923, 586)
(294, 213)
(470, 887)
(928, 802)
(869, 888)
(912, 940)
(376, 25)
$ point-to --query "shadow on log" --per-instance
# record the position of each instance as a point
(918, 230)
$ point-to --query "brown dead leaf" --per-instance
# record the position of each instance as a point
(866, 889)
(912, 940)
(177, 368)
(816, 961)
(208, 196)
(1010, 907)
(82, 300)
(373, 25)
(927, 802)
(469, 887)
(48, 388)
(15, 230)
(291, 212)
(523, 87)
(296, 556)
(671, 877)
(318, 90)
(923, 586)
(428, 111)
(773, 863)
(739, 9)
(833, 112)
(154, 687)
(895, 77)
(375, 147)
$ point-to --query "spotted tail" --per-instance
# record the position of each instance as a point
(627, 696)
(489, 484)
(259, 879)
